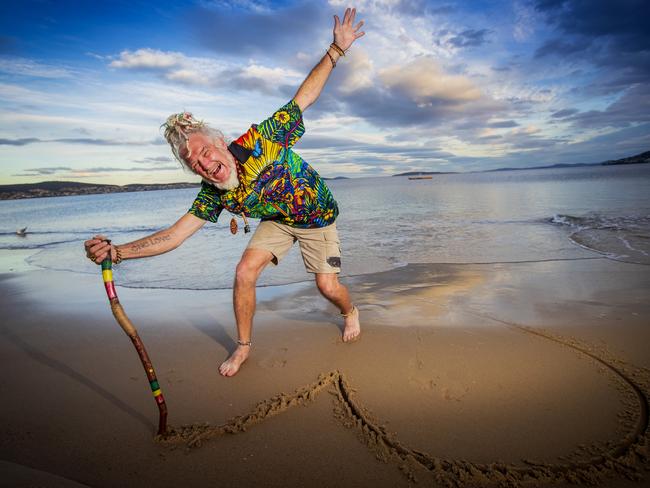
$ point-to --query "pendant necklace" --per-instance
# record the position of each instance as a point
(233, 221)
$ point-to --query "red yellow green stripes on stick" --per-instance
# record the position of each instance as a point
(107, 275)
(155, 388)
(129, 329)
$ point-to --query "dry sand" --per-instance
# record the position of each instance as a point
(468, 375)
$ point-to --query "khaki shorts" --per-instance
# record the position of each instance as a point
(320, 247)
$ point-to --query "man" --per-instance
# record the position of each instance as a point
(259, 176)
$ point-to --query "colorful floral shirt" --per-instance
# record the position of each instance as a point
(274, 182)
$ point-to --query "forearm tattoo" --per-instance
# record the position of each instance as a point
(151, 241)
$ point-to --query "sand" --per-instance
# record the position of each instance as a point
(513, 374)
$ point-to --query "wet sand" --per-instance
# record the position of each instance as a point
(467, 375)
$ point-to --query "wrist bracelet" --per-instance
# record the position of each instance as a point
(118, 256)
(337, 49)
(331, 58)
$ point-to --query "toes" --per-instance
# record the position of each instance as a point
(231, 366)
(351, 336)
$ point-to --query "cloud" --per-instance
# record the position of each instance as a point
(562, 47)
(29, 67)
(632, 108)
(110, 169)
(415, 94)
(79, 140)
(170, 65)
(525, 21)
(424, 82)
(347, 144)
(154, 159)
(283, 29)
(68, 172)
(148, 59)
(620, 21)
(19, 142)
(418, 8)
(45, 171)
(470, 38)
(566, 112)
(357, 72)
(178, 68)
(262, 79)
(606, 33)
(503, 124)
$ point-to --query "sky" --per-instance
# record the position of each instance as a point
(432, 86)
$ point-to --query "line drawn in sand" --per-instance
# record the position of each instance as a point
(624, 457)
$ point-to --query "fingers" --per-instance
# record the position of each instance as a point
(350, 13)
(98, 248)
(337, 22)
(358, 26)
(359, 34)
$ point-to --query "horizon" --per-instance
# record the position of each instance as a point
(432, 86)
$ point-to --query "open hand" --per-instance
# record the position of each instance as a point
(345, 33)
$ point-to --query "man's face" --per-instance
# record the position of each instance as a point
(211, 160)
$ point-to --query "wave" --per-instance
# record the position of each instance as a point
(44, 238)
(35, 245)
(622, 238)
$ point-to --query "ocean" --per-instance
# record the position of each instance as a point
(385, 222)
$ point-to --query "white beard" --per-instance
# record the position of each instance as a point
(231, 183)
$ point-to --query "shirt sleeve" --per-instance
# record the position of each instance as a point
(207, 205)
(285, 126)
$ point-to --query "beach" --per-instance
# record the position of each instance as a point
(466, 374)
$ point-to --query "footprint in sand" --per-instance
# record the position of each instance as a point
(447, 390)
(275, 359)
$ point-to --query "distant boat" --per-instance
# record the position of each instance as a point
(420, 177)
(22, 232)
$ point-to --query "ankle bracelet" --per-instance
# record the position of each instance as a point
(242, 343)
(350, 312)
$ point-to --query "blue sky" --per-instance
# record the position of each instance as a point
(435, 86)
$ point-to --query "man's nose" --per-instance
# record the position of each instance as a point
(204, 161)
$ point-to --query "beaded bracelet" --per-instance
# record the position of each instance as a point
(118, 256)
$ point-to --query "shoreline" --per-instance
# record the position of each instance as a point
(440, 365)
(18, 260)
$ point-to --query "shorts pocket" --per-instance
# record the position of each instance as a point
(332, 249)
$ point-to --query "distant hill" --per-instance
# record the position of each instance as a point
(67, 188)
(638, 159)
(422, 173)
(642, 158)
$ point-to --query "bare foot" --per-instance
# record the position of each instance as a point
(231, 365)
(352, 329)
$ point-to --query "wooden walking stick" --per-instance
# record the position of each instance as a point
(127, 326)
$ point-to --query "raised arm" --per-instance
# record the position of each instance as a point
(345, 33)
(160, 242)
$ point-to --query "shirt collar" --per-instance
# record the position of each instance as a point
(240, 152)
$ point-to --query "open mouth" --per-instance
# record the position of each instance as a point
(216, 169)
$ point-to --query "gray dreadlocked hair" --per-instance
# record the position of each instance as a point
(178, 129)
